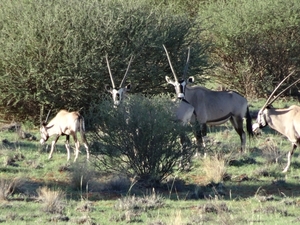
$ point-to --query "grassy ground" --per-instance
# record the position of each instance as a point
(226, 187)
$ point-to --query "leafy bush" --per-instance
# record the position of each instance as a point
(139, 138)
(255, 42)
(52, 53)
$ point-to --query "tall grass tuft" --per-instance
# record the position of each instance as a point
(8, 187)
(214, 168)
(151, 201)
(81, 175)
(53, 200)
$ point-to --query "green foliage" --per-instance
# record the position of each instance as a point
(255, 42)
(52, 53)
(139, 138)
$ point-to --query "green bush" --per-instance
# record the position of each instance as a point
(256, 43)
(139, 138)
(52, 53)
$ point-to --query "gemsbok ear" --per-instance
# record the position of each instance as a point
(108, 87)
(190, 80)
(128, 86)
(168, 79)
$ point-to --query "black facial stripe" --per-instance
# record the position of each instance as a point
(181, 88)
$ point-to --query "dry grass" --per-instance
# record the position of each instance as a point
(53, 200)
(151, 201)
(8, 187)
(81, 176)
(214, 168)
(271, 151)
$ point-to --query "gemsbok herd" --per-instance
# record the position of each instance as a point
(198, 105)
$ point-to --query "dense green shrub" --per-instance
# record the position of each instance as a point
(52, 53)
(256, 43)
(139, 138)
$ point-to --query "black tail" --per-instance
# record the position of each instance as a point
(249, 123)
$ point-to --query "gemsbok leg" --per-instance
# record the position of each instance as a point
(53, 145)
(68, 146)
(237, 123)
(289, 156)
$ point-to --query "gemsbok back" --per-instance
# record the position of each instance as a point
(211, 107)
(119, 93)
(65, 123)
(285, 120)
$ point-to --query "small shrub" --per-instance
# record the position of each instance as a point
(152, 201)
(81, 175)
(271, 151)
(118, 183)
(140, 138)
(8, 187)
(53, 200)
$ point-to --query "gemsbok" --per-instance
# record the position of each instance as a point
(285, 120)
(65, 123)
(119, 93)
(211, 107)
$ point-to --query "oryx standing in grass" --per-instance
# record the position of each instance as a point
(65, 123)
(119, 93)
(285, 121)
(212, 107)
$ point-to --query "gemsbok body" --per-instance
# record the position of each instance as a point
(118, 93)
(212, 107)
(285, 121)
(65, 124)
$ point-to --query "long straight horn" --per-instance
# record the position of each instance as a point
(48, 115)
(170, 64)
(186, 64)
(41, 115)
(268, 100)
(111, 78)
(284, 91)
(122, 82)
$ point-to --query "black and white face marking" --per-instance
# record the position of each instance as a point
(179, 87)
(261, 120)
(118, 94)
(44, 134)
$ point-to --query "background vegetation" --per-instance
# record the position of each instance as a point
(254, 43)
(52, 55)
